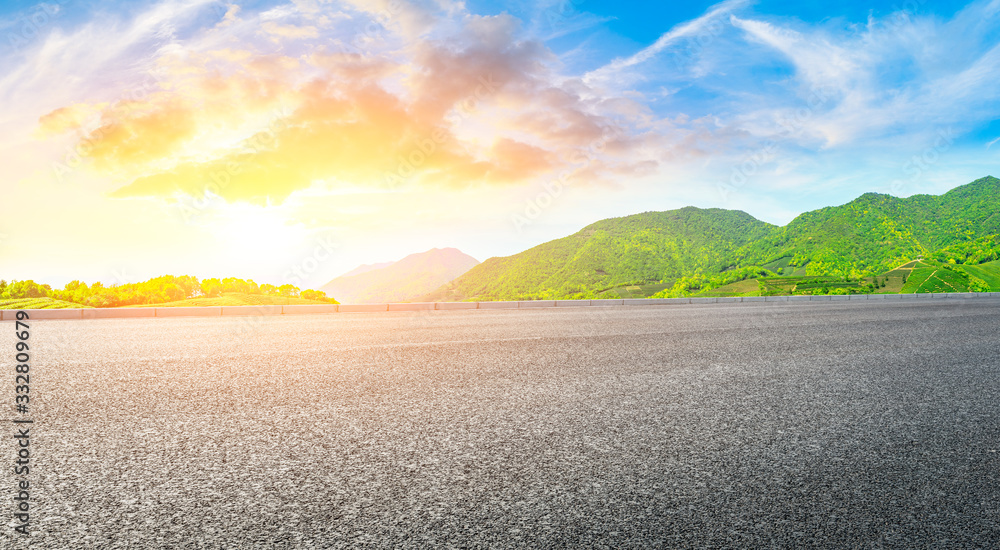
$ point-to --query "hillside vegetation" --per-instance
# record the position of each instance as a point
(617, 252)
(165, 290)
(862, 246)
(876, 232)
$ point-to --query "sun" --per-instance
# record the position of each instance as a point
(265, 231)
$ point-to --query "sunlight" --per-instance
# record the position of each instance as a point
(261, 230)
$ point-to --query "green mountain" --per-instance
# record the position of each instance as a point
(652, 246)
(692, 249)
(876, 232)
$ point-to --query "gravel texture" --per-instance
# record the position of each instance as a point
(863, 425)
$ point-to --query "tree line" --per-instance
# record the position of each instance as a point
(168, 288)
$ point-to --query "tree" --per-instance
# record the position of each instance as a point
(74, 285)
(190, 284)
(26, 289)
(211, 287)
(103, 298)
(232, 284)
(288, 290)
(317, 295)
(978, 285)
(174, 293)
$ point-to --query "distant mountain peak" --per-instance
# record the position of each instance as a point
(364, 268)
(401, 281)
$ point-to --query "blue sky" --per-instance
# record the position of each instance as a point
(769, 107)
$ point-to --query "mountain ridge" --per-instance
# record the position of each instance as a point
(873, 233)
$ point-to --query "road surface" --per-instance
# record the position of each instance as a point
(782, 424)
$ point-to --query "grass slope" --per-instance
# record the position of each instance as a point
(632, 291)
(38, 303)
(935, 279)
(749, 287)
(988, 272)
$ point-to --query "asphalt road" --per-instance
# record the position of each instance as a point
(746, 425)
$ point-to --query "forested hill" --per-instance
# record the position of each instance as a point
(876, 232)
(643, 247)
(867, 236)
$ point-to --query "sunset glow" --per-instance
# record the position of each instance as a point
(222, 139)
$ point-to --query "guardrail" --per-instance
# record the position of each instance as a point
(227, 311)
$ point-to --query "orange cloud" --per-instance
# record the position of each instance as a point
(484, 109)
(516, 160)
(145, 132)
(65, 119)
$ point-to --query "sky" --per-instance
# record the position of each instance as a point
(289, 142)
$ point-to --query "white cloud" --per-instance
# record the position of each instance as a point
(893, 77)
(104, 47)
(822, 64)
(667, 39)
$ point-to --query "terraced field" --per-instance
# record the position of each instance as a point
(634, 291)
(777, 286)
(935, 279)
(782, 264)
(37, 303)
(749, 287)
(989, 272)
